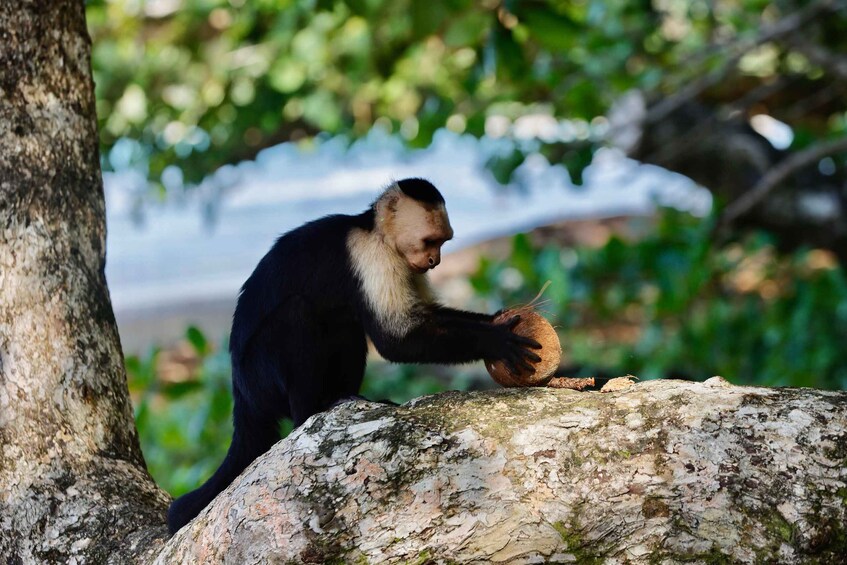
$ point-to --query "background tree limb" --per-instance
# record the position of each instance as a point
(784, 169)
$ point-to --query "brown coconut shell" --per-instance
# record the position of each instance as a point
(533, 325)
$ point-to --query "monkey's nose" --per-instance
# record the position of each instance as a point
(433, 262)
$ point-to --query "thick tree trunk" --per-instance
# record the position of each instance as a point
(663, 472)
(72, 479)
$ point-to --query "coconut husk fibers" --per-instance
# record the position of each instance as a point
(533, 325)
(572, 383)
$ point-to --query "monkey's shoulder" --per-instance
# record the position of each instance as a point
(309, 263)
(327, 234)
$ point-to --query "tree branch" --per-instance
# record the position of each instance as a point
(664, 470)
(780, 173)
(735, 51)
(690, 141)
(834, 64)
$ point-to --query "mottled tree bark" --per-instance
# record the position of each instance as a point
(73, 484)
(661, 472)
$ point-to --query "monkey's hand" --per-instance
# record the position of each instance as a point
(513, 349)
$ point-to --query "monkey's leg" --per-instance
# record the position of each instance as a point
(346, 367)
(347, 363)
(302, 357)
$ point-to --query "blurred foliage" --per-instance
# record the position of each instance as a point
(401, 383)
(184, 425)
(185, 419)
(200, 83)
(674, 304)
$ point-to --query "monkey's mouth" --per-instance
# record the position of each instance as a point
(420, 270)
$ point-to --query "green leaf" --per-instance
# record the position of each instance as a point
(556, 32)
(576, 161)
(503, 166)
(197, 340)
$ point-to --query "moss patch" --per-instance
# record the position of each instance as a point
(578, 546)
(654, 506)
(423, 558)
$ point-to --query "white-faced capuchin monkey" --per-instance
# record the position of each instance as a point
(298, 342)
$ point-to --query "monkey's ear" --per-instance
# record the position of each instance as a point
(386, 205)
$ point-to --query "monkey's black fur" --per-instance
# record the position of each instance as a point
(421, 190)
(298, 340)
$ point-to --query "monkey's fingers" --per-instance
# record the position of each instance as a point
(531, 356)
(512, 322)
(510, 366)
(527, 342)
(517, 361)
(525, 367)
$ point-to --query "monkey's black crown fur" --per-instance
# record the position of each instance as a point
(421, 190)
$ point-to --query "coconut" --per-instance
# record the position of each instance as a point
(532, 325)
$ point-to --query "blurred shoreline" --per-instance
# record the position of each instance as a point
(164, 325)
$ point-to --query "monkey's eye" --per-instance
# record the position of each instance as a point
(430, 242)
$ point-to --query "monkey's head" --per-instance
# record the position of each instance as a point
(412, 218)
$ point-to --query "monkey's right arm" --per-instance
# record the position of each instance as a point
(443, 335)
(450, 314)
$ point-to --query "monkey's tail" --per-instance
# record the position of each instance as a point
(250, 439)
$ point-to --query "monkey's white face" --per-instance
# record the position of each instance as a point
(419, 232)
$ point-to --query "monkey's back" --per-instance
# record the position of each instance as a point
(311, 262)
